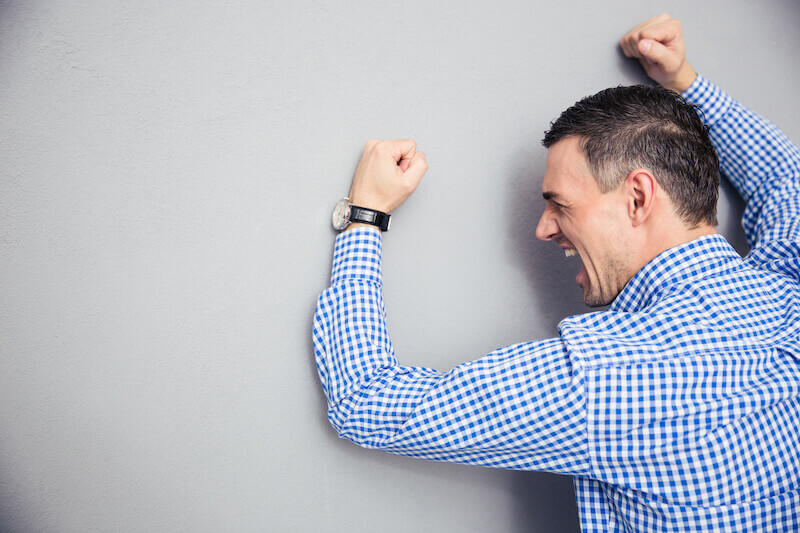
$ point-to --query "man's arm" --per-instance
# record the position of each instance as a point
(758, 159)
(519, 407)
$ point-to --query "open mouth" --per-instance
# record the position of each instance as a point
(582, 276)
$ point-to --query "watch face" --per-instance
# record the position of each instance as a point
(341, 214)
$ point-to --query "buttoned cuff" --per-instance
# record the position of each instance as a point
(357, 256)
(709, 98)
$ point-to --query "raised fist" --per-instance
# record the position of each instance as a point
(658, 44)
(389, 171)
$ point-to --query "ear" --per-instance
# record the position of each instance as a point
(640, 193)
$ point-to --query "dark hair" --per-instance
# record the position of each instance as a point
(625, 128)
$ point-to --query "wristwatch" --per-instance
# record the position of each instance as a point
(344, 213)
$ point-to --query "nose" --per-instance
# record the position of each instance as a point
(547, 229)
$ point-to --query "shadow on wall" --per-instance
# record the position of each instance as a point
(549, 273)
(544, 502)
(541, 500)
(730, 209)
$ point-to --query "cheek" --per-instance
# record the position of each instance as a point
(609, 221)
(602, 236)
(616, 250)
(592, 228)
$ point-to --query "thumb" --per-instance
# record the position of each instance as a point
(654, 52)
(417, 166)
(402, 149)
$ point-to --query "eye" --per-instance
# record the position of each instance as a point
(556, 205)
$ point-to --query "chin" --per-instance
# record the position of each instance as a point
(591, 299)
(595, 303)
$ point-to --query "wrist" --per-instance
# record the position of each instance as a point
(346, 214)
(683, 80)
(368, 203)
(357, 225)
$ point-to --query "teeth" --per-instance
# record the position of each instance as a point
(570, 252)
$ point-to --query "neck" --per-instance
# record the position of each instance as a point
(677, 238)
(700, 231)
(661, 240)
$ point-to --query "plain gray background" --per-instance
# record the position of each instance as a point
(167, 173)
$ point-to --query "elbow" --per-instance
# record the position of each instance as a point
(361, 432)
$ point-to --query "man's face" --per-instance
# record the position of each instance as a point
(580, 218)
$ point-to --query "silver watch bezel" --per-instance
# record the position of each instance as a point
(341, 214)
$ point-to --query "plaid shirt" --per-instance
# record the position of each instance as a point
(677, 409)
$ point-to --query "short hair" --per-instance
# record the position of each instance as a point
(624, 128)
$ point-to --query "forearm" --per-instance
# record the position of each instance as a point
(756, 156)
(350, 340)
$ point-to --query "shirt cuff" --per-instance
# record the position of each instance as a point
(357, 256)
(711, 100)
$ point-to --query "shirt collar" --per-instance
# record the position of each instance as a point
(682, 263)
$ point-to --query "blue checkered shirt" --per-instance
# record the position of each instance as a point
(677, 409)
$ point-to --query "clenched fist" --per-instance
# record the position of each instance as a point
(658, 44)
(389, 171)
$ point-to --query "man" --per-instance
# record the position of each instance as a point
(678, 408)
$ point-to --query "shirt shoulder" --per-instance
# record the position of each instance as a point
(726, 314)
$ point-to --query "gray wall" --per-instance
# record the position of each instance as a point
(167, 172)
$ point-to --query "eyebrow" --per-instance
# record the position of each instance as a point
(548, 195)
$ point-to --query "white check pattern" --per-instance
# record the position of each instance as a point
(678, 409)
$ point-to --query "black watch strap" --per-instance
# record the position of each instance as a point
(370, 216)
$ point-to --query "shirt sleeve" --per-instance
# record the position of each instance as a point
(519, 407)
(759, 160)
